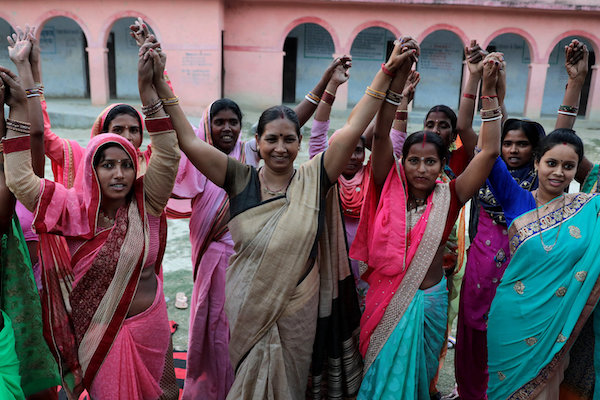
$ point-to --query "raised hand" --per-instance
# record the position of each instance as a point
(34, 55)
(408, 92)
(491, 67)
(14, 94)
(340, 75)
(576, 60)
(474, 55)
(343, 61)
(401, 56)
(19, 45)
(139, 31)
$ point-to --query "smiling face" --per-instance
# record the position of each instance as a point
(116, 174)
(279, 144)
(127, 126)
(356, 161)
(516, 149)
(422, 166)
(440, 124)
(225, 129)
(556, 169)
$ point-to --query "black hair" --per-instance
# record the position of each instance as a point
(99, 156)
(424, 137)
(225, 104)
(118, 110)
(277, 112)
(532, 130)
(559, 136)
(446, 110)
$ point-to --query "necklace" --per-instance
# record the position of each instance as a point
(274, 192)
(417, 201)
(105, 219)
(549, 247)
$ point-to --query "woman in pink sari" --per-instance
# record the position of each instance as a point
(104, 309)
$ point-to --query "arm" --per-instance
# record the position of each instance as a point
(306, 108)
(162, 168)
(7, 200)
(206, 158)
(507, 191)
(399, 126)
(479, 168)
(464, 124)
(318, 133)
(19, 51)
(576, 64)
(19, 174)
(343, 144)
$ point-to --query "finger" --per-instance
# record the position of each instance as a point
(15, 37)
(19, 32)
(10, 40)
(9, 80)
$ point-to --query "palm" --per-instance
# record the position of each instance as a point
(19, 51)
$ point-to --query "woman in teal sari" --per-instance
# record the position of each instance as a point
(551, 288)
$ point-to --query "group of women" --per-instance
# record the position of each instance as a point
(279, 311)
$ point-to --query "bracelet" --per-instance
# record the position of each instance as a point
(401, 115)
(489, 97)
(491, 119)
(159, 124)
(469, 96)
(374, 93)
(394, 96)
(392, 102)
(313, 98)
(570, 109)
(152, 108)
(1, 147)
(570, 114)
(33, 95)
(171, 101)
(328, 97)
(18, 126)
(16, 143)
(387, 71)
(494, 112)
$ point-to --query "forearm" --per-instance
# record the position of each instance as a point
(566, 118)
(19, 175)
(305, 109)
(318, 137)
(401, 116)
(162, 169)
(324, 108)
(466, 109)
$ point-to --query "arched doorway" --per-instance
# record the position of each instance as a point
(122, 60)
(369, 49)
(556, 78)
(440, 66)
(64, 59)
(517, 56)
(5, 30)
(308, 51)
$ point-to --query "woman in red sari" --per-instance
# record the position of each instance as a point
(105, 312)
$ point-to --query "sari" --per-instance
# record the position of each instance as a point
(545, 298)
(91, 278)
(10, 380)
(290, 295)
(400, 341)
(20, 301)
(209, 373)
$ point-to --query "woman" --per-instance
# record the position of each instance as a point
(556, 339)
(488, 257)
(402, 247)
(104, 283)
(272, 284)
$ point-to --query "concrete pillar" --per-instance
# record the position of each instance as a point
(593, 105)
(98, 64)
(534, 96)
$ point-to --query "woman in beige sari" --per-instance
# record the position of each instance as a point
(289, 287)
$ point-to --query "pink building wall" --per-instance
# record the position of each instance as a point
(255, 30)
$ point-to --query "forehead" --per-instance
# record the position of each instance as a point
(115, 153)
(420, 150)
(516, 135)
(280, 126)
(437, 116)
(124, 120)
(225, 114)
(562, 152)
